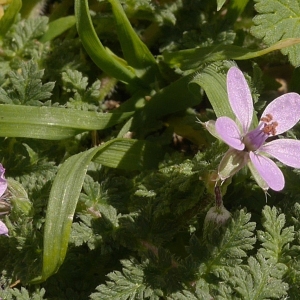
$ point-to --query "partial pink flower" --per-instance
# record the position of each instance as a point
(250, 146)
(3, 229)
(3, 187)
(3, 182)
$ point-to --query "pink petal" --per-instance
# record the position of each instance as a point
(240, 97)
(229, 133)
(285, 150)
(285, 110)
(257, 176)
(268, 170)
(3, 182)
(3, 229)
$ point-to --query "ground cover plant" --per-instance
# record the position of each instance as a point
(149, 149)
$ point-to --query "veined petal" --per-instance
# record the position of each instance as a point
(3, 229)
(285, 110)
(285, 150)
(240, 97)
(229, 133)
(232, 162)
(268, 170)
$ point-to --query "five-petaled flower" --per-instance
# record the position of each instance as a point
(3, 187)
(249, 147)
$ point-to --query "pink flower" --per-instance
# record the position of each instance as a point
(249, 147)
(3, 229)
(3, 187)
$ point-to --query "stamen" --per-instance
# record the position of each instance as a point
(270, 128)
(268, 118)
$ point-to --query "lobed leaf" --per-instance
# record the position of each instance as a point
(124, 285)
(278, 20)
(200, 291)
(25, 34)
(261, 279)
(27, 87)
(275, 239)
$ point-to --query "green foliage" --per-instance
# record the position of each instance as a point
(110, 176)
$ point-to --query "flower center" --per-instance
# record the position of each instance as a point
(254, 139)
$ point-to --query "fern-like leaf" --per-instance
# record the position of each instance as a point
(26, 87)
(22, 39)
(128, 284)
(275, 239)
(23, 294)
(83, 97)
(260, 280)
(201, 291)
(278, 20)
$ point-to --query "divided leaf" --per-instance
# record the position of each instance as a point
(201, 291)
(275, 239)
(22, 37)
(128, 284)
(278, 20)
(26, 87)
(83, 233)
(23, 294)
(84, 97)
(261, 279)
